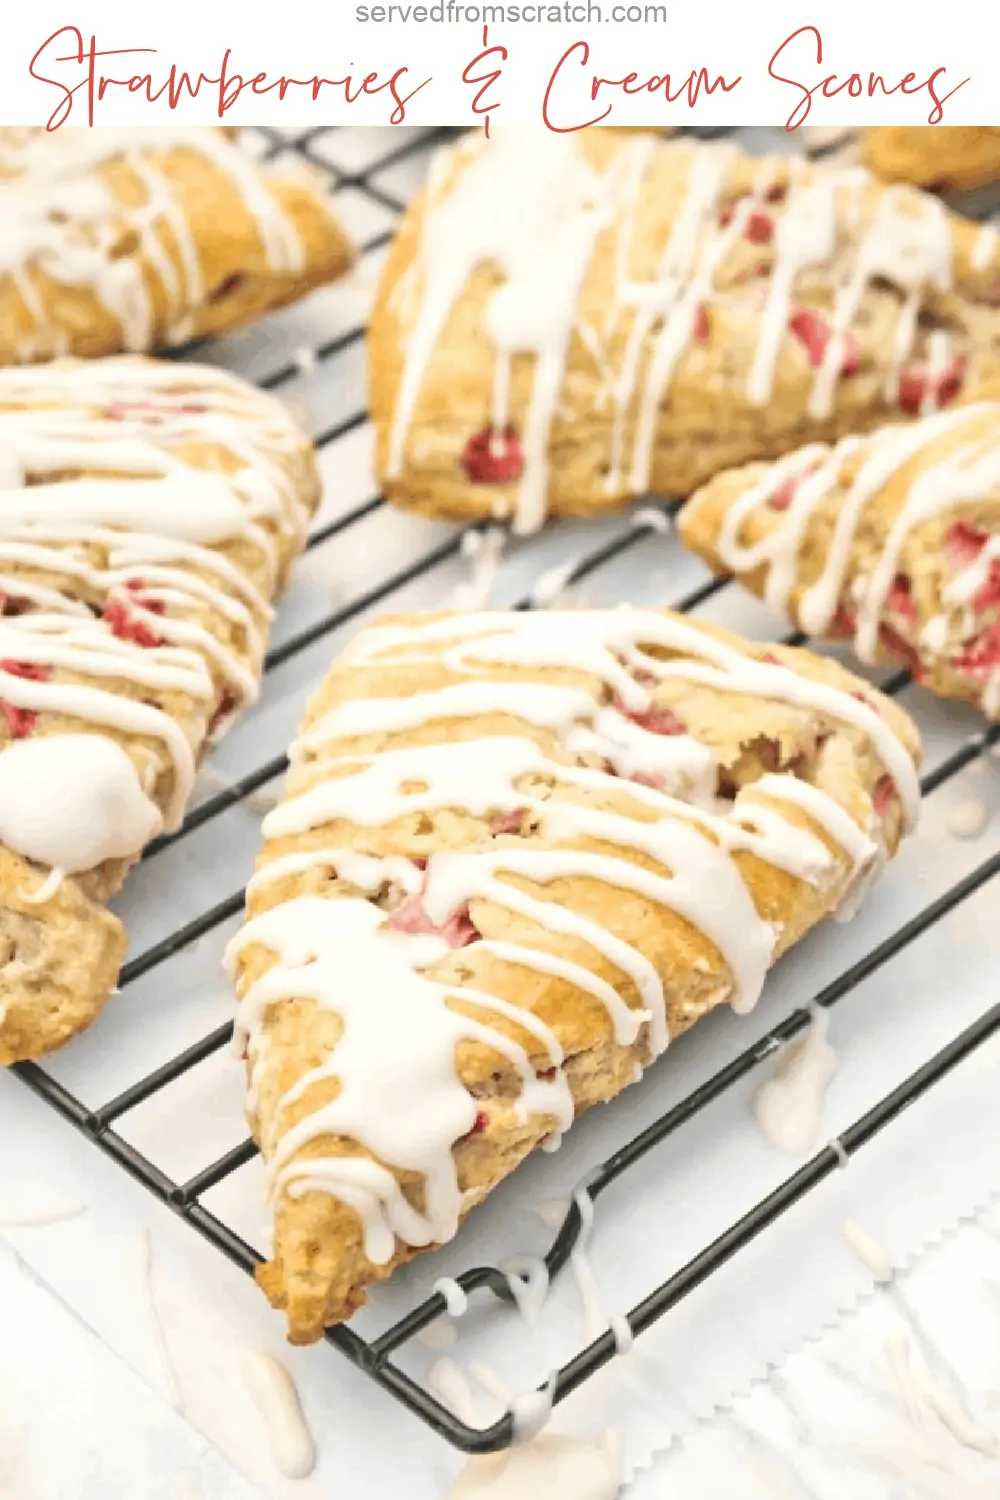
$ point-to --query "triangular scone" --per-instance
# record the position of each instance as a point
(138, 239)
(148, 514)
(891, 541)
(566, 322)
(516, 854)
(937, 156)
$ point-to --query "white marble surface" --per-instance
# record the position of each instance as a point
(766, 1382)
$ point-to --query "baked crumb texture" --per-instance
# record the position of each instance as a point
(939, 157)
(135, 240)
(568, 322)
(148, 514)
(516, 854)
(890, 541)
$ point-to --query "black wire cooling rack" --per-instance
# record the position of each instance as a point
(374, 1356)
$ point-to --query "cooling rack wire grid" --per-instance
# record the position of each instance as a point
(360, 560)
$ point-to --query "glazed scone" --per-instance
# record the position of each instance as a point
(148, 514)
(891, 541)
(934, 156)
(516, 854)
(140, 239)
(566, 322)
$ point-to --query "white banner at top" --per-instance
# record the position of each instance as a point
(439, 62)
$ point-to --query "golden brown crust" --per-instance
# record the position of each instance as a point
(58, 961)
(205, 266)
(934, 156)
(704, 420)
(59, 956)
(950, 643)
(320, 1267)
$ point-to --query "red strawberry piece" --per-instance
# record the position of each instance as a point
(481, 1122)
(868, 702)
(509, 822)
(547, 1072)
(900, 600)
(122, 621)
(981, 657)
(844, 622)
(226, 287)
(11, 604)
(904, 650)
(135, 586)
(421, 862)
(229, 701)
(988, 597)
(962, 546)
(917, 384)
(493, 457)
(776, 193)
(151, 411)
(759, 228)
(771, 659)
(783, 495)
(813, 331)
(21, 721)
(884, 796)
(701, 324)
(641, 778)
(458, 931)
(656, 720)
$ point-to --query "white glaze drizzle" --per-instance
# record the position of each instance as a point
(868, 1251)
(29, 1204)
(592, 641)
(441, 1334)
(400, 1095)
(924, 1394)
(157, 527)
(147, 1273)
(556, 209)
(985, 248)
(967, 474)
(556, 1465)
(788, 1106)
(271, 1388)
(73, 832)
(968, 819)
(63, 218)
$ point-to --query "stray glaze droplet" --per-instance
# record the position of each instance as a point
(553, 1465)
(552, 1212)
(29, 1205)
(868, 1251)
(789, 1106)
(440, 1334)
(272, 1390)
(967, 820)
(925, 1395)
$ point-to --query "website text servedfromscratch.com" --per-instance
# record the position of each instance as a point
(448, 12)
